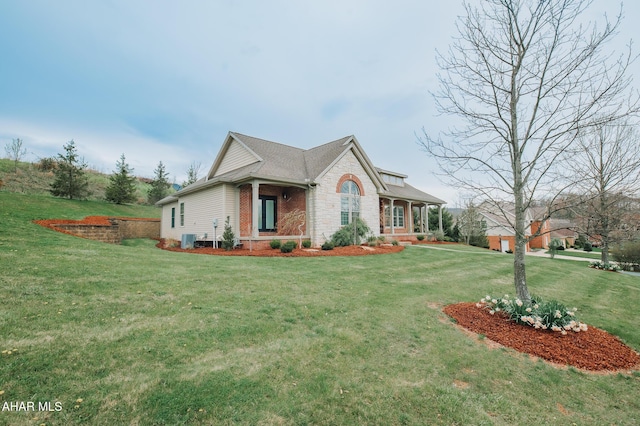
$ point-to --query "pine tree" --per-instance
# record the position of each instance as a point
(122, 187)
(160, 184)
(192, 174)
(228, 237)
(70, 180)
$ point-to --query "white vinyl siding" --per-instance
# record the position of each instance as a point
(200, 208)
(237, 156)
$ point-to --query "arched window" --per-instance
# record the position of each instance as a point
(349, 202)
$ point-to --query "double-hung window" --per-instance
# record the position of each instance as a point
(181, 214)
(267, 213)
(173, 217)
(398, 216)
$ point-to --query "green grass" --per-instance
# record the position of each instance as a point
(145, 336)
(595, 254)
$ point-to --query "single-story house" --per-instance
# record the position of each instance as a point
(272, 191)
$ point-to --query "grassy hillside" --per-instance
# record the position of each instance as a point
(130, 334)
(28, 179)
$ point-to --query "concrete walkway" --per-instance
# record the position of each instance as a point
(542, 253)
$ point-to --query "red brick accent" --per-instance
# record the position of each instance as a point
(354, 178)
(539, 241)
(295, 199)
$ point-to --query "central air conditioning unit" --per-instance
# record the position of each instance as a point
(188, 241)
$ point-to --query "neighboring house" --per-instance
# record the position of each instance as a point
(541, 231)
(500, 230)
(256, 183)
(563, 230)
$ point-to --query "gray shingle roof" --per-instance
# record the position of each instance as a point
(286, 163)
(408, 192)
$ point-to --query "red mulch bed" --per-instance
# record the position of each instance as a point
(337, 251)
(592, 350)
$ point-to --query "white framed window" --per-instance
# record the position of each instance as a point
(398, 216)
(349, 202)
(181, 214)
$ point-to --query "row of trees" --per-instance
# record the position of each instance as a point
(71, 180)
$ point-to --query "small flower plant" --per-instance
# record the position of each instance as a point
(540, 314)
(613, 267)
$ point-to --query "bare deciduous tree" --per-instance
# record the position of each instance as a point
(15, 151)
(608, 166)
(524, 77)
(192, 173)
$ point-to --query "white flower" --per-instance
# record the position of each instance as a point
(528, 310)
(570, 313)
(558, 314)
(478, 305)
(555, 328)
(563, 332)
(583, 326)
(497, 309)
(567, 327)
(505, 301)
(494, 301)
(488, 297)
(518, 302)
(536, 306)
(492, 312)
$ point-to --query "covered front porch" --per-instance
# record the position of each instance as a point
(269, 210)
(404, 213)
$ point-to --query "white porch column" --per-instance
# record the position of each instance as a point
(255, 201)
(393, 231)
(410, 224)
(440, 217)
(426, 213)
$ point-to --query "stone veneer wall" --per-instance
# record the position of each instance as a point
(326, 199)
(119, 230)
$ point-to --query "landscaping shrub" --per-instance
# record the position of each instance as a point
(479, 241)
(372, 241)
(541, 314)
(438, 235)
(228, 237)
(347, 235)
(275, 244)
(420, 237)
(628, 255)
(288, 246)
(588, 246)
(604, 266)
(327, 245)
(394, 242)
(306, 243)
(554, 246)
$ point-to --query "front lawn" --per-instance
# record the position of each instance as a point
(131, 334)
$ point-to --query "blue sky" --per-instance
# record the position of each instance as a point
(166, 80)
